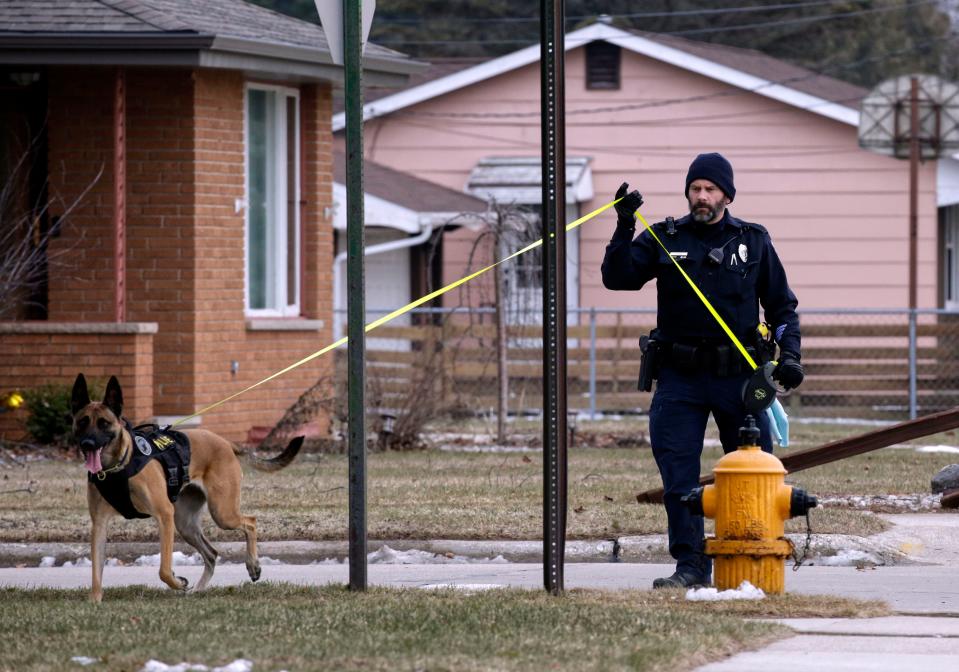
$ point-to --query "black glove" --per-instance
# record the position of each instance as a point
(626, 208)
(788, 372)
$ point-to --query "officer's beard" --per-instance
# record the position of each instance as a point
(703, 214)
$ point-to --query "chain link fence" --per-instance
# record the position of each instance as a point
(870, 364)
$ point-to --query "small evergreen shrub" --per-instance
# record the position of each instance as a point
(49, 420)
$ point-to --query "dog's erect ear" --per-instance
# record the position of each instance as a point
(80, 396)
(113, 397)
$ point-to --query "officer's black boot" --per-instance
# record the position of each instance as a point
(696, 570)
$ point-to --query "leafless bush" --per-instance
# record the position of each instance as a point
(317, 401)
(25, 258)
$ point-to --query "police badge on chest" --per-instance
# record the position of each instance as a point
(739, 256)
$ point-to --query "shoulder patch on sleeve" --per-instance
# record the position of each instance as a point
(754, 226)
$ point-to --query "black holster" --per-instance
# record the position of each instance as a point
(648, 362)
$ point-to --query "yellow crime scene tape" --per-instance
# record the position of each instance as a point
(400, 311)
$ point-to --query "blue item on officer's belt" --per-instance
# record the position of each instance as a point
(779, 423)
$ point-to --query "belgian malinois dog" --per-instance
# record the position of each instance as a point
(214, 474)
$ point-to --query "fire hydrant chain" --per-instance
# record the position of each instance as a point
(800, 558)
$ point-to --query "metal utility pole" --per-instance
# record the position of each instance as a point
(553, 128)
(913, 186)
(356, 289)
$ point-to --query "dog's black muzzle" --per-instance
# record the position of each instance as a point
(91, 442)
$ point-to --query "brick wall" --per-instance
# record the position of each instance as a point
(80, 167)
(185, 235)
(38, 353)
(160, 211)
(161, 242)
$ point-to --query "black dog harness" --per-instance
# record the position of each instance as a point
(150, 442)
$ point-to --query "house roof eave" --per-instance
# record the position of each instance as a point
(737, 78)
(193, 49)
(373, 64)
(626, 40)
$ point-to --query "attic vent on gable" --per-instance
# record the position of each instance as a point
(602, 65)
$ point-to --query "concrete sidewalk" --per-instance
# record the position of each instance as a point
(908, 590)
(924, 593)
(900, 643)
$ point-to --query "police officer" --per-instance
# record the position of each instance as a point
(699, 371)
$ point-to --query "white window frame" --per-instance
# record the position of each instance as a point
(572, 261)
(278, 216)
(949, 218)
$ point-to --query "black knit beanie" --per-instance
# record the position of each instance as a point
(715, 168)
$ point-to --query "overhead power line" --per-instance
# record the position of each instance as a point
(630, 15)
(691, 31)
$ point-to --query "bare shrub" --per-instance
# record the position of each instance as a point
(25, 259)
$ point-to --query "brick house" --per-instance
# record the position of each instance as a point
(198, 136)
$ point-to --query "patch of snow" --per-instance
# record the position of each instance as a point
(937, 449)
(327, 561)
(179, 558)
(916, 502)
(158, 666)
(267, 560)
(455, 448)
(82, 561)
(847, 558)
(841, 421)
(388, 556)
(238, 665)
(81, 660)
(465, 587)
(746, 591)
(585, 415)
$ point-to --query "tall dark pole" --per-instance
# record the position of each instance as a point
(553, 149)
(355, 289)
(913, 186)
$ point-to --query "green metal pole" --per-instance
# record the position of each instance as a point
(553, 129)
(356, 287)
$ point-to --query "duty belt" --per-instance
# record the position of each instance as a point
(720, 360)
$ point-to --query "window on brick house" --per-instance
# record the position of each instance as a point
(272, 194)
(602, 65)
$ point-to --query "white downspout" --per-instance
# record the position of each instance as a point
(339, 319)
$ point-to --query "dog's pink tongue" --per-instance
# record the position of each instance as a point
(93, 461)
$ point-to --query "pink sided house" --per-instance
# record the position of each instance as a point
(639, 107)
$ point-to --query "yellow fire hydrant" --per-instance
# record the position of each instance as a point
(750, 503)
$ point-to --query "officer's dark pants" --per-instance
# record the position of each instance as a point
(677, 423)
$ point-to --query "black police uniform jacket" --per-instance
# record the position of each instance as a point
(749, 274)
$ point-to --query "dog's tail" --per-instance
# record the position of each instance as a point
(278, 462)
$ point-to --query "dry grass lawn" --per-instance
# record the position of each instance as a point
(436, 494)
(304, 628)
